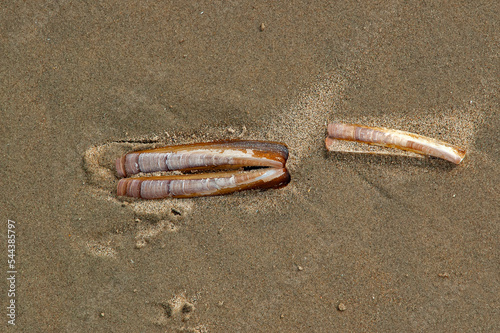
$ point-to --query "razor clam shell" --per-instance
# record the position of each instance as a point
(209, 155)
(207, 184)
(394, 139)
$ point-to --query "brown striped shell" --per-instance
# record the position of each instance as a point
(199, 156)
(267, 159)
(205, 184)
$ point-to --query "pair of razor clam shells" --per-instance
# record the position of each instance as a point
(266, 161)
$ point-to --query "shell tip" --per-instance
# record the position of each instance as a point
(121, 189)
(120, 166)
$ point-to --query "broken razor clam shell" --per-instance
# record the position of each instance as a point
(389, 138)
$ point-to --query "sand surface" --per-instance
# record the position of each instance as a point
(355, 243)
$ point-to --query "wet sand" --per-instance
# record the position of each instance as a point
(355, 243)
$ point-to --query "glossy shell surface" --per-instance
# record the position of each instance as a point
(394, 139)
(209, 155)
(264, 164)
(184, 186)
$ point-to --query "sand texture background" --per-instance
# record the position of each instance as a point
(397, 243)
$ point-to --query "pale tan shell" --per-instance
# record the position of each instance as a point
(394, 139)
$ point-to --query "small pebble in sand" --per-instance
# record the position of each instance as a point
(300, 268)
(262, 27)
(341, 307)
(101, 314)
(187, 308)
(175, 212)
(282, 316)
(139, 244)
(444, 275)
